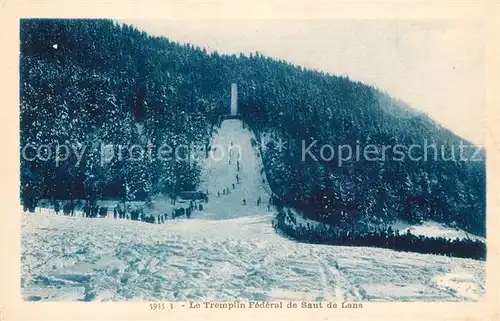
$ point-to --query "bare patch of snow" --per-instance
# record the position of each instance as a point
(434, 229)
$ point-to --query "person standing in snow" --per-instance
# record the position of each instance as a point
(86, 210)
(244, 202)
(57, 208)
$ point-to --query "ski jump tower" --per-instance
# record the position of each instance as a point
(234, 99)
(233, 114)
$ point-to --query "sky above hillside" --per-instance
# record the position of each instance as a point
(435, 66)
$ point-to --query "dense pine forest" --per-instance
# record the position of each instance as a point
(89, 83)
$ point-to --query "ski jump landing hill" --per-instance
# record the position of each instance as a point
(233, 173)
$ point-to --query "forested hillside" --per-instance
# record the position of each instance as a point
(107, 83)
(110, 84)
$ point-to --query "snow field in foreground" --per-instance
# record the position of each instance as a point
(68, 258)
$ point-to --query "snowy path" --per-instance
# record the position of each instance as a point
(227, 251)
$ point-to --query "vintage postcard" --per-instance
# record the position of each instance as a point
(263, 161)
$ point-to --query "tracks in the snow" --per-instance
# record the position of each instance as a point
(336, 287)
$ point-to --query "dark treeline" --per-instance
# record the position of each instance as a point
(112, 83)
(384, 238)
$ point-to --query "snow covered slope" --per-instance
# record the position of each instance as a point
(227, 251)
(435, 229)
(74, 258)
(231, 147)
